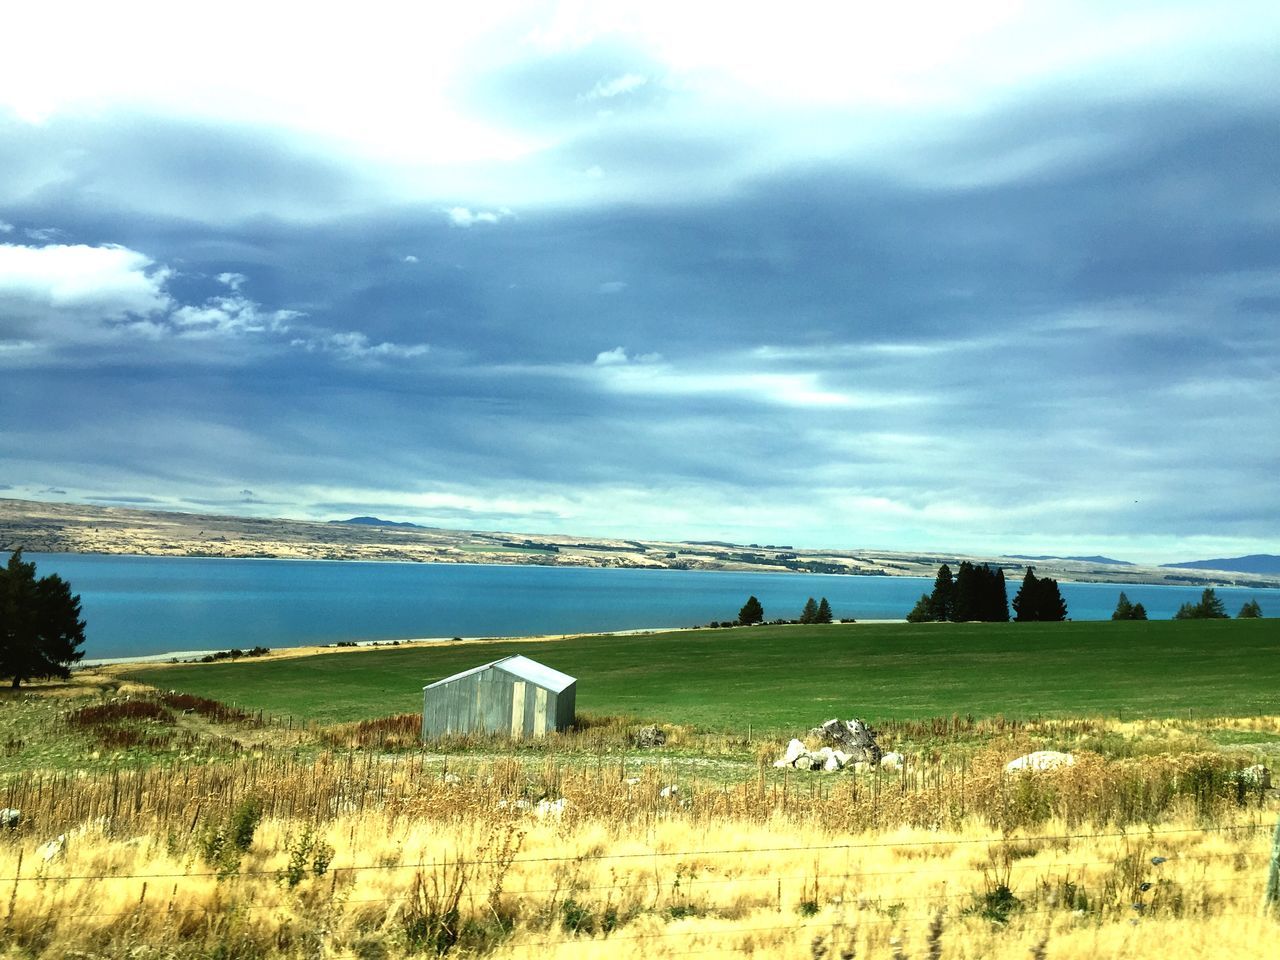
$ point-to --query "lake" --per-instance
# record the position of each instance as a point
(136, 606)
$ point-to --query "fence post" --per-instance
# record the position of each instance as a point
(1271, 900)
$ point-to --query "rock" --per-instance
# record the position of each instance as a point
(843, 757)
(1040, 760)
(831, 764)
(1257, 776)
(631, 781)
(795, 750)
(550, 808)
(851, 736)
(804, 762)
(10, 818)
(53, 848)
(650, 736)
(666, 793)
(452, 778)
(891, 761)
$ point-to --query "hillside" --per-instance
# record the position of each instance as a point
(81, 528)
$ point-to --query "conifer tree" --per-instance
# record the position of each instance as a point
(1123, 610)
(1250, 611)
(824, 611)
(1139, 612)
(751, 612)
(942, 599)
(810, 612)
(40, 626)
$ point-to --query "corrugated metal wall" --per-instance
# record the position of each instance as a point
(494, 701)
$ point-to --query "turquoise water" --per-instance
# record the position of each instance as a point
(146, 605)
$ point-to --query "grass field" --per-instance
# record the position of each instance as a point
(789, 677)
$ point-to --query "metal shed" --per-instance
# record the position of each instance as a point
(514, 695)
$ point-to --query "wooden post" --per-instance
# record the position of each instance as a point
(1271, 899)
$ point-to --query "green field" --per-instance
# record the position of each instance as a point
(777, 678)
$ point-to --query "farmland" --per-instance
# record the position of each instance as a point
(780, 678)
(159, 820)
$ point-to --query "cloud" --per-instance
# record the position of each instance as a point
(6, 227)
(227, 316)
(110, 281)
(409, 258)
(608, 358)
(464, 217)
(612, 286)
(352, 345)
(617, 86)
(233, 280)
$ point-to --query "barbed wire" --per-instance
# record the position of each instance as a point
(667, 854)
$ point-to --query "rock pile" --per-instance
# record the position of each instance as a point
(650, 736)
(1039, 760)
(850, 736)
(845, 743)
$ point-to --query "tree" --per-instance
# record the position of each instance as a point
(1123, 610)
(1209, 608)
(751, 612)
(1039, 599)
(942, 600)
(1250, 611)
(965, 595)
(40, 625)
(1139, 612)
(810, 612)
(922, 612)
(824, 611)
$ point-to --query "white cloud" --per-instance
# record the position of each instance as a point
(608, 358)
(465, 217)
(229, 316)
(352, 345)
(6, 227)
(617, 86)
(233, 280)
(612, 286)
(409, 258)
(112, 282)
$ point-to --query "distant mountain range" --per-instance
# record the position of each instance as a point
(1118, 563)
(377, 522)
(1254, 563)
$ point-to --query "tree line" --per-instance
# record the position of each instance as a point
(978, 592)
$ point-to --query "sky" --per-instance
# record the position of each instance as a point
(983, 277)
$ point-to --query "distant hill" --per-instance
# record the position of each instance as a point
(377, 522)
(1118, 563)
(1254, 563)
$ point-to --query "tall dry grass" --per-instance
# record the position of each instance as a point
(361, 855)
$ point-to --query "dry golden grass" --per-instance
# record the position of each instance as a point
(361, 855)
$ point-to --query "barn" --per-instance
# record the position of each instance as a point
(514, 695)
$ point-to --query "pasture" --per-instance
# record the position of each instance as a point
(779, 678)
(157, 822)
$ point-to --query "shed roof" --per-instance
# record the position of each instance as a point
(522, 667)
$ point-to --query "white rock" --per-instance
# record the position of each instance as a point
(831, 763)
(53, 848)
(10, 817)
(891, 760)
(666, 793)
(843, 757)
(795, 750)
(1256, 776)
(804, 762)
(1040, 760)
(631, 781)
(452, 778)
(550, 808)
